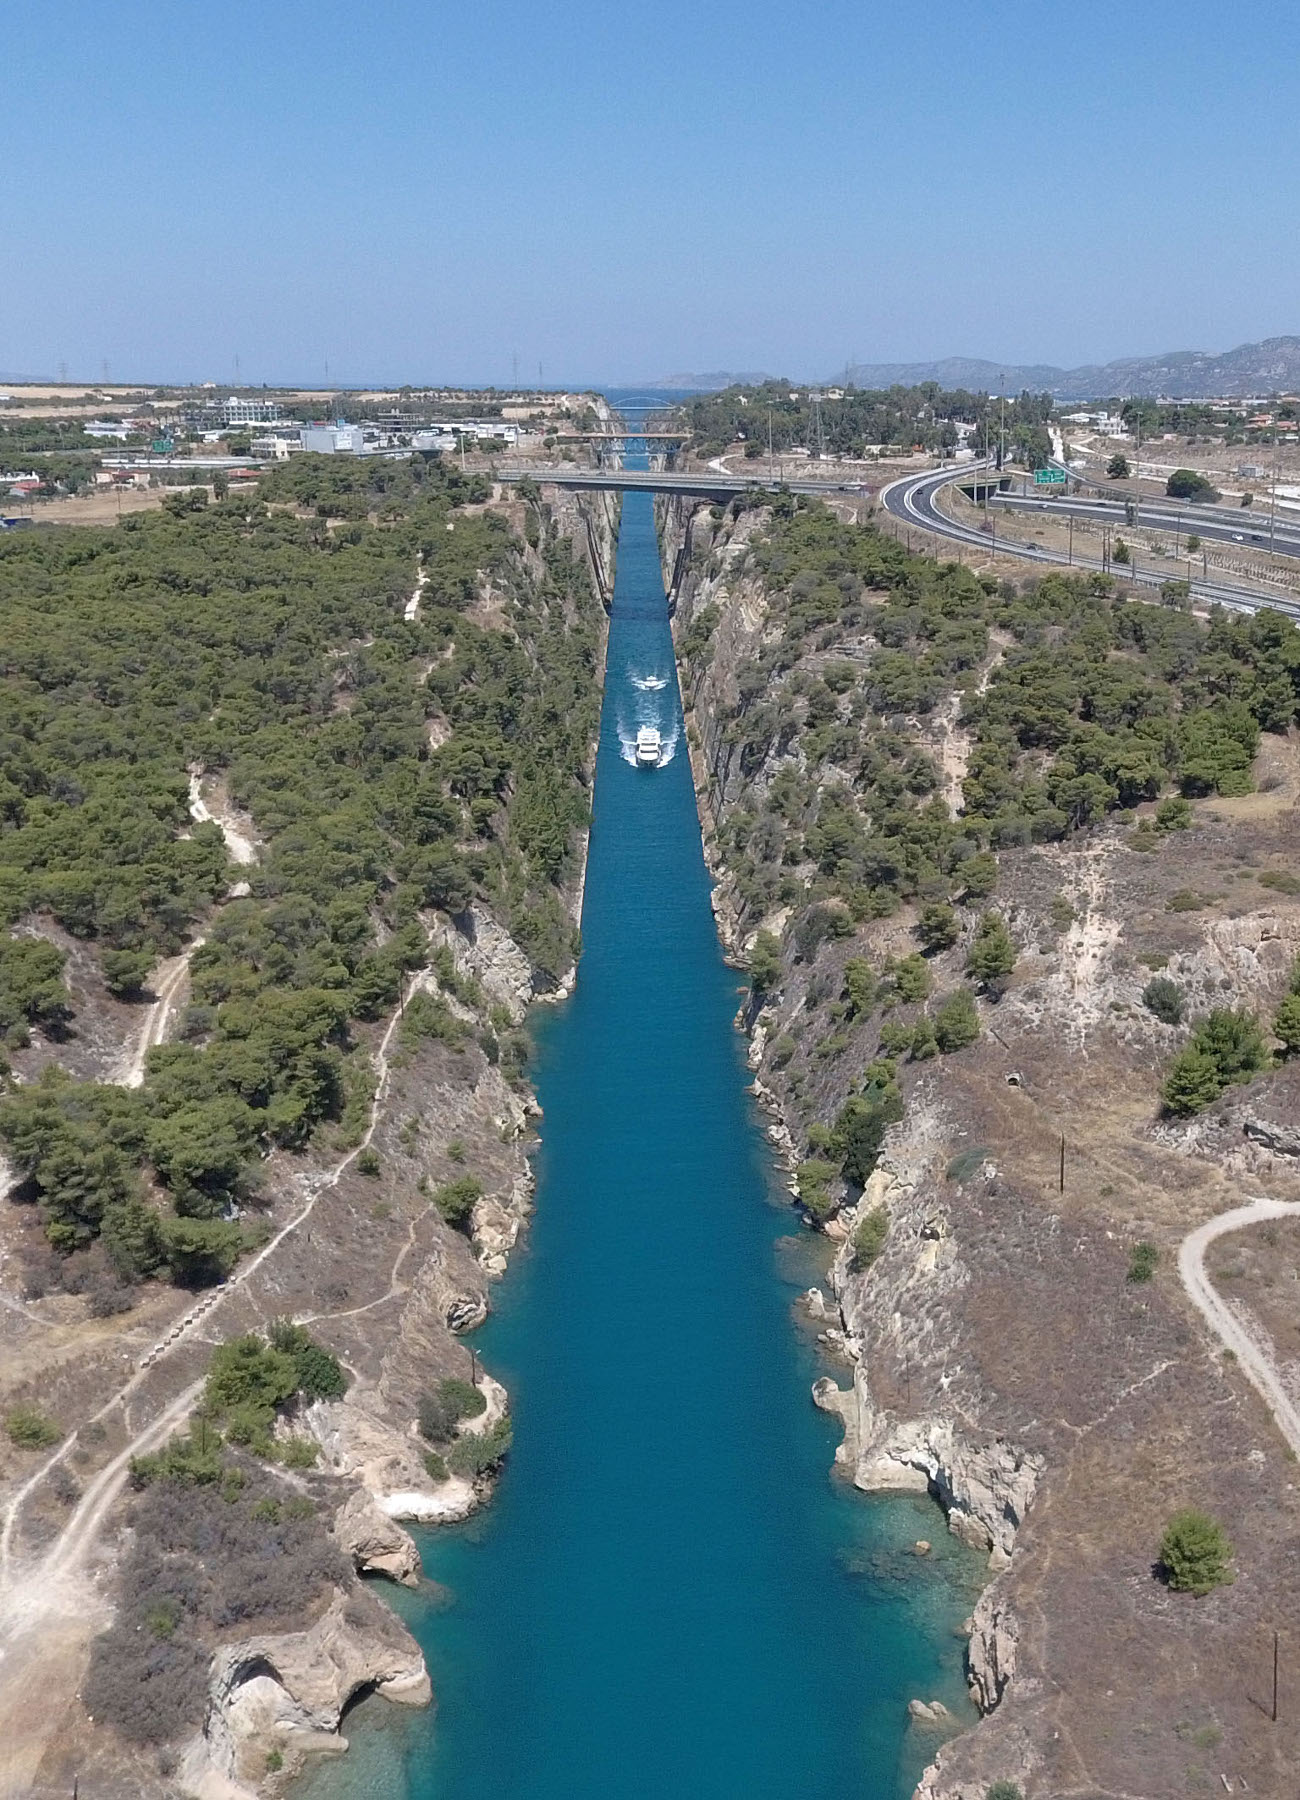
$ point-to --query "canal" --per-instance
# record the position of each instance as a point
(669, 1598)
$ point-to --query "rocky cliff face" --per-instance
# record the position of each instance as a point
(998, 1357)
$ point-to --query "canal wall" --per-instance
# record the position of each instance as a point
(443, 1107)
(996, 1355)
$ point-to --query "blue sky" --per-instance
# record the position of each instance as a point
(410, 190)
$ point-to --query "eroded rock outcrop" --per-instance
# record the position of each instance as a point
(375, 1542)
(289, 1690)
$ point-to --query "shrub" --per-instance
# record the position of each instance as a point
(1282, 880)
(320, 1373)
(1232, 1036)
(860, 986)
(455, 1200)
(149, 1691)
(1185, 900)
(956, 1021)
(814, 1178)
(477, 1453)
(966, 1163)
(861, 1126)
(1286, 1024)
(191, 1460)
(938, 927)
(467, 1401)
(1118, 470)
(765, 963)
(1195, 1553)
(1142, 1263)
(1010, 1790)
(1174, 814)
(126, 971)
(298, 1452)
(1227, 1046)
(435, 1466)
(912, 978)
(978, 875)
(993, 954)
(1192, 1083)
(924, 1043)
(29, 1429)
(368, 1162)
(441, 1409)
(1189, 484)
(1165, 999)
(869, 1236)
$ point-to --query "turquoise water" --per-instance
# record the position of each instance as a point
(669, 1599)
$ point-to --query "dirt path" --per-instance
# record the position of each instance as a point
(49, 1609)
(168, 984)
(1089, 940)
(239, 844)
(412, 610)
(1254, 1352)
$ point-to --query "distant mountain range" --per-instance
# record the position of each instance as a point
(1270, 367)
(714, 380)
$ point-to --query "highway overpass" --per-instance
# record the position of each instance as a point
(703, 483)
(914, 500)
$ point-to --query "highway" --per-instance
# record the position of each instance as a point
(1212, 524)
(913, 499)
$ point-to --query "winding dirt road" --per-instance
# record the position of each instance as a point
(1255, 1354)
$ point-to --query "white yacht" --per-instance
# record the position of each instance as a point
(649, 748)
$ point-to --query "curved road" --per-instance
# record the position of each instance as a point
(1255, 1358)
(914, 499)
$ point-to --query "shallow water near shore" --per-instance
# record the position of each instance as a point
(669, 1596)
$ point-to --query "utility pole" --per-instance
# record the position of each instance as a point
(1272, 520)
(1275, 1678)
(769, 443)
(1070, 556)
(1062, 1186)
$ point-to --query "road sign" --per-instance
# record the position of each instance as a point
(1050, 477)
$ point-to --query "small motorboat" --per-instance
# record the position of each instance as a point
(649, 748)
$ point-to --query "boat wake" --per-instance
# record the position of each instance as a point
(649, 683)
(627, 744)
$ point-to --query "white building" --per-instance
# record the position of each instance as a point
(333, 440)
(276, 447)
(251, 412)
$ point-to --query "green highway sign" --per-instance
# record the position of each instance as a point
(1049, 477)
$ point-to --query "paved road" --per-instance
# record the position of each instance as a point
(1213, 524)
(914, 500)
(1256, 1358)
